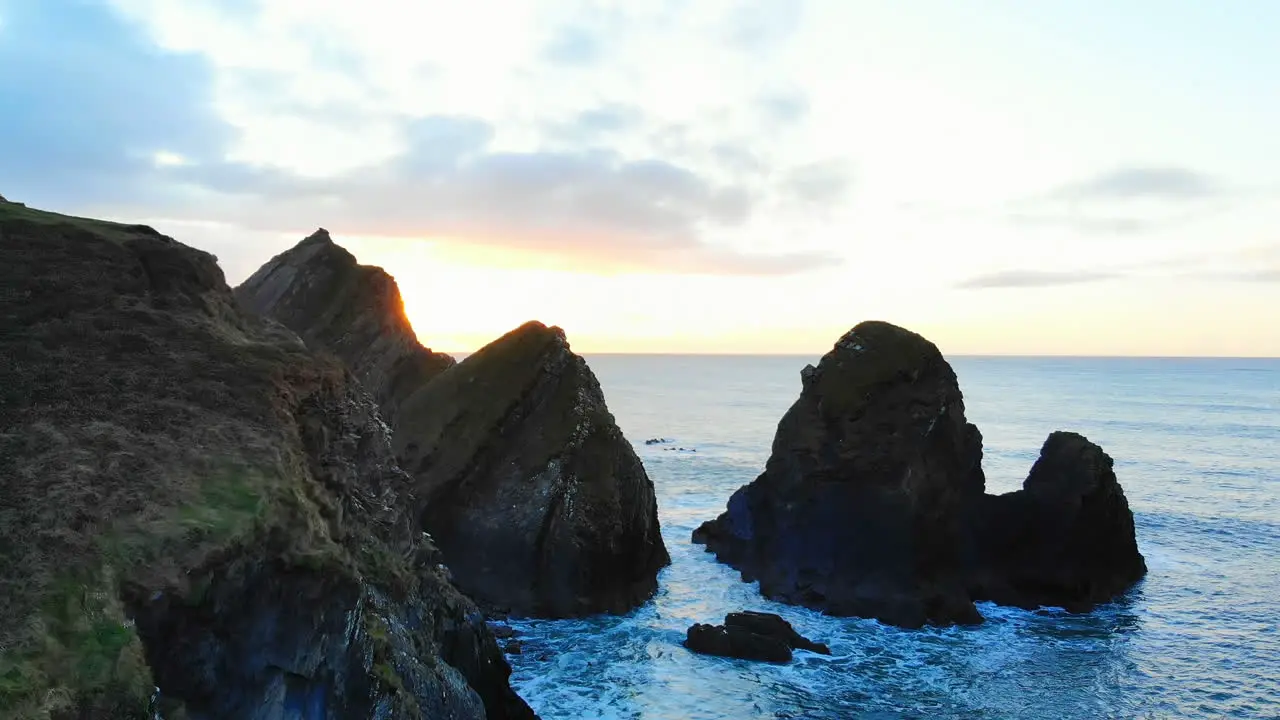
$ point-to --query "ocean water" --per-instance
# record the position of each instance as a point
(1197, 449)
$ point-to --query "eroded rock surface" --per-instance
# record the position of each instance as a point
(538, 502)
(751, 636)
(193, 500)
(872, 502)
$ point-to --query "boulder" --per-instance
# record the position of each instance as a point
(736, 642)
(538, 502)
(858, 511)
(1066, 539)
(751, 636)
(319, 291)
(774, 626)
(872, 502)
(194, 502)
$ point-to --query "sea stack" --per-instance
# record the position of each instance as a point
(872, 502)
(540, 505)
(858, 510)
(202, 517)
(319, 291)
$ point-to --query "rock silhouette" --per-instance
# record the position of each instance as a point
(751, 636)
(872, 502)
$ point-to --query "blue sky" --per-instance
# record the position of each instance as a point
(1006, 177)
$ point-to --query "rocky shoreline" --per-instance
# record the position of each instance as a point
(274, 502)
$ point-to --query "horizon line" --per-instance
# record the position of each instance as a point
(1009, 356)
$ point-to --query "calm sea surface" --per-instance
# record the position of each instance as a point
(1197, 449)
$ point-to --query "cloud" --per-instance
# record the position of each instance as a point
(1162, 183)
(818, 184)
(1034, 278)
(89, 103)
(573, 46)
(590, 125)
(783, 108)
(756, 25)
(587, 205)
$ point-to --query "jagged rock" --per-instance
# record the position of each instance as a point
(736, 642)
(857, 512)
(538, 502)
(872, 502)
(774, 626)
(194, 501)
(1066, 539)
(318, 290)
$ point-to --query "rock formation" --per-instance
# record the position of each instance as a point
(318, 290)
(538, 502)
(872, 502)
(1066, 539)
(751, 636)
(193, 501)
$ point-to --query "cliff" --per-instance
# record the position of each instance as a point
(523, 478)
(872, 502)
(318, 290)
(193, 501)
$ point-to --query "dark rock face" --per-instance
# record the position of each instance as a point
(774, 626)
(736, 642)
(1065, 539)
(858, 509)
(872, 502)
(751, 636)
(318, 290)
(193, 500)
(537, 501)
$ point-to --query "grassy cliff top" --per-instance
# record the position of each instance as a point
(146, 427)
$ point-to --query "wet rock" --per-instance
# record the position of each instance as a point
(774, 626)
(230, 519)
(513, 648)
(502, 632)
(872, 502)
(736, 642)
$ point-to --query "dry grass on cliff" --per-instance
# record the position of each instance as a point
(140, 433)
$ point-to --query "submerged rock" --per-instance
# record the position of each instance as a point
(538, 502)
(751, 636)
(872, 502)
(318, 290)
(194, 501)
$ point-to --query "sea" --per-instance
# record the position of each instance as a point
(1197, 450)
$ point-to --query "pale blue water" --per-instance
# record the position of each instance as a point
(1197, 448)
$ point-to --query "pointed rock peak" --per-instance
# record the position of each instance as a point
(320, 236)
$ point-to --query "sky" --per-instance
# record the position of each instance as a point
(1050, 178)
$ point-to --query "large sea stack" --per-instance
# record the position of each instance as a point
(318, 290)
(872, 502)
(524, 480)
(193, 501)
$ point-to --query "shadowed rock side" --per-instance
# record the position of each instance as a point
(318, 290)
(872, 502)
(192, 500)
(538, 502)
(1066, 539)
(858, 509)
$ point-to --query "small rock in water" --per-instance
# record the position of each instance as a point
(751, 636)
(513, 648)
